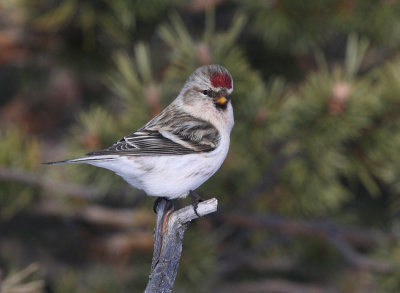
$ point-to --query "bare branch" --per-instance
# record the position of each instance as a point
(170, 229)
(339, 237)
(20, 282)
(27, 177)
(358, 260)
(122, 219)
(365, 238)
(274, 285)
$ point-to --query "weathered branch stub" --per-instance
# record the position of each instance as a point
(170, 228)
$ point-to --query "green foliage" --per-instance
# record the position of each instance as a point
(133, 81)
(192, 52)
(116, 20)
(298, 26)
(95, 129)
(19, 151)
(100, 279)
(198, 265)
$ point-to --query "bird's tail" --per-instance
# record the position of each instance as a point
(87, 160)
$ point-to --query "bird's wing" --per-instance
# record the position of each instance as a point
(169, 133)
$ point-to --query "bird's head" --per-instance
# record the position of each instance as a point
(209, 85)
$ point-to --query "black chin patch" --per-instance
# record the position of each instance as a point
(221, 107)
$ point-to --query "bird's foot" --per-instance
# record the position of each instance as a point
(169, 205)
(196, 199)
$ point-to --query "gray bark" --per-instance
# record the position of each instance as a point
(170, 228)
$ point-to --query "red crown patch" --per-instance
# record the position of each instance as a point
(221, 80)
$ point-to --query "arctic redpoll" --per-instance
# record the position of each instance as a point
(180, 148)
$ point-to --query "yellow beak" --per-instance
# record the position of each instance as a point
(221, 100)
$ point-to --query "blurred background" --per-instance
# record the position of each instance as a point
(308, 195)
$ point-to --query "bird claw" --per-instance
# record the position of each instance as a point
(195, 202)
(169, 204)
(195, 205)
(197, 196)
(196, 199)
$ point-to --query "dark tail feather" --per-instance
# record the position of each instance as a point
(56, 163)
(81, 160)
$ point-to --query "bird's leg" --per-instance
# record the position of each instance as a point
(196, 199)
(156, 203)
(169, 204)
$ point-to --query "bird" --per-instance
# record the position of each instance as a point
(180, 148)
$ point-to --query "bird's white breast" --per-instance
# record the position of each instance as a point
(168, 176)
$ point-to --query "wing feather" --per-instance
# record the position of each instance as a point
(172, 132)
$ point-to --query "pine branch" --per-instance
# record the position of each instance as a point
(170, 229)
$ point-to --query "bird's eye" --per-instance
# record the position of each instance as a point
(205, 92)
